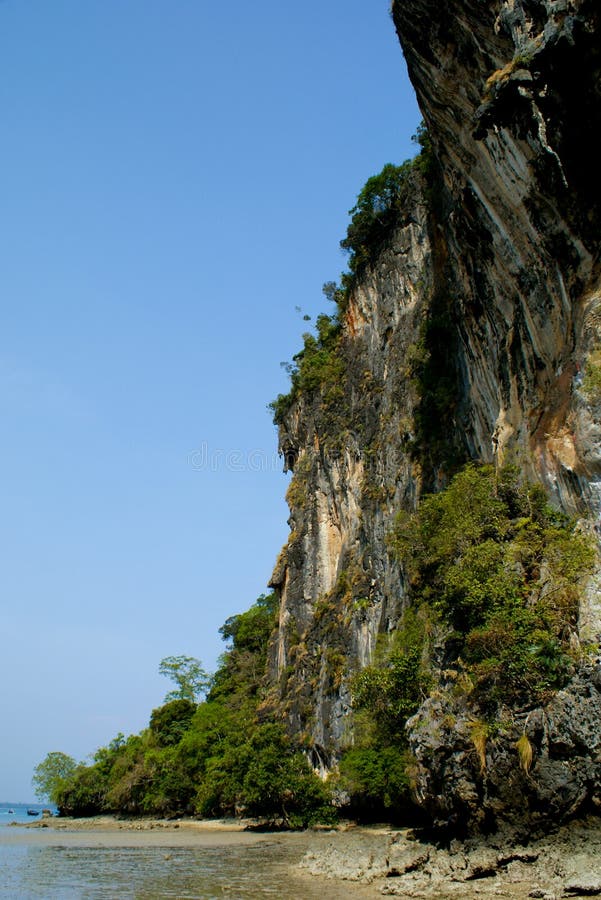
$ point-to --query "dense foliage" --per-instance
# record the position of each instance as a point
(494, 578)
(51, 774)
(503, 571)
(376, 210)
(212, 758)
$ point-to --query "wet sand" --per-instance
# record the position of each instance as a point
(109, 831)
(148, 859)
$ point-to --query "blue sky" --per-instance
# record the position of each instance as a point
(175, 179)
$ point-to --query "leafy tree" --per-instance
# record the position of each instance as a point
(279, 782)
(170, 722)
(51, 774)
(188, 674)
(376, 779)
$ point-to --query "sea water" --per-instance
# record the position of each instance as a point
(18, 812)
(49, 864)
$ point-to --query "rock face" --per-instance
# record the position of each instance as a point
(352, 471)
(493, 273)
(543, 763)
(510, 91)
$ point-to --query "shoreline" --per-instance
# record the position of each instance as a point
(135, 823)
(111, 831)
(380, 859)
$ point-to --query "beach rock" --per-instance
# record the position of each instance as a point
(565, 864)
(405, 856)
(482, 863)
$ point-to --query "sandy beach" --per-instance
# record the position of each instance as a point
(110, 831)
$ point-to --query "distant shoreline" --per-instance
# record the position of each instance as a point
(137, 823)
(111, 831)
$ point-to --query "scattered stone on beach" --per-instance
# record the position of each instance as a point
(403, 858)
(562, 865)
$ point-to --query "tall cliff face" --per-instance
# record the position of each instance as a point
(352, 471)
(510, 92)
(492, 277)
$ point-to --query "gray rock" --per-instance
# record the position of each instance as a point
(482, 863)
(406, 857)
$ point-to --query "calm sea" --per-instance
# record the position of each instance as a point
(55, 865)
(17, 812)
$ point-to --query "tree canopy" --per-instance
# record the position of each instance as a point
(192, 681)
(51, 774)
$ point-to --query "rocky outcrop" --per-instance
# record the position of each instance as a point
(504, 865)
(492, 277)
(543, 763)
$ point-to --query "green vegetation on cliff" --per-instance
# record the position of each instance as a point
(215, 758)
(319, 367)
(495, 576)
(504, 572)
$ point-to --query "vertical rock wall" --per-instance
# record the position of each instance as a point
(505, 250)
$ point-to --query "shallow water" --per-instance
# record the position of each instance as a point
(55, 866)
(17, 812)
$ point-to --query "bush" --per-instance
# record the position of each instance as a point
(504, 570)
(376, 210)
(391, 693)
(318, 367)
(376, 780)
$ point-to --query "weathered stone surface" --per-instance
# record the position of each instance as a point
(507, 246)
(565, 864)
(586, 886)
(564, 777)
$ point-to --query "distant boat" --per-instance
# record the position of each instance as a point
(11, 812)
(32, 812)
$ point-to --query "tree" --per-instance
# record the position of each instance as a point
(378, 204)
(188, 674)
(50, 775)
(170, 722)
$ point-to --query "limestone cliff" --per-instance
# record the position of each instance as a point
(492, 272)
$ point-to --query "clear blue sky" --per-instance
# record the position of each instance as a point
(175, 179)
